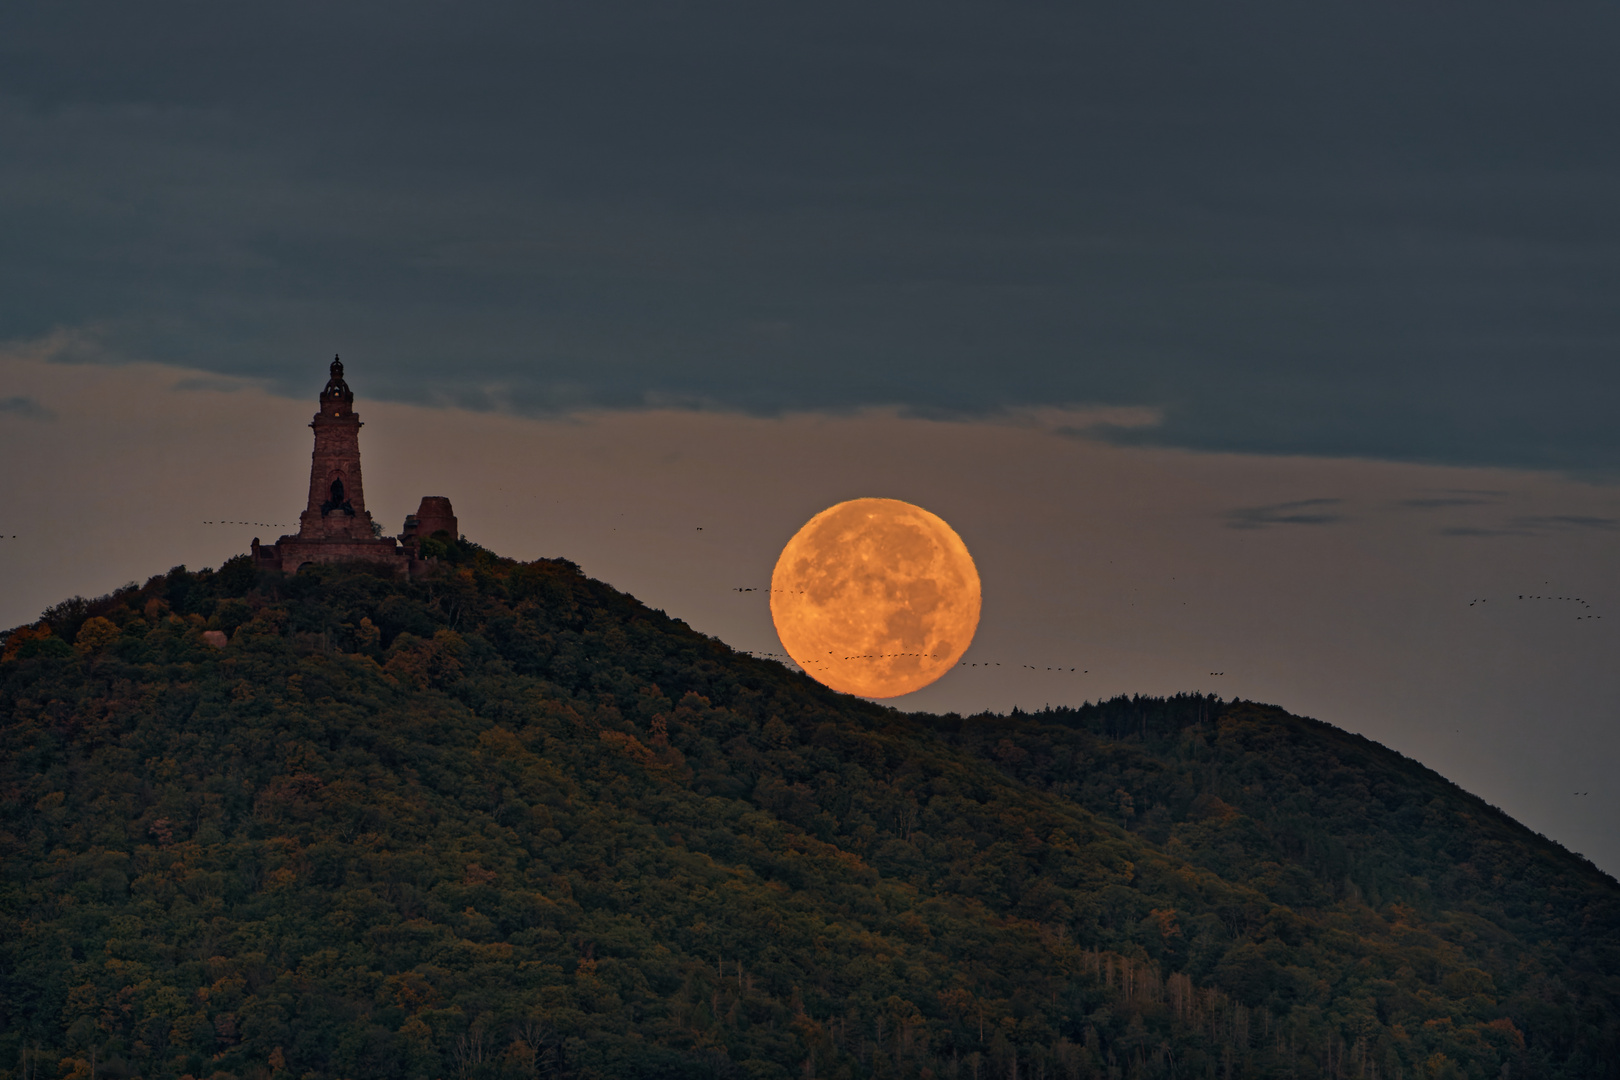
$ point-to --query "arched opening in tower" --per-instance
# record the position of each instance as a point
(338, 500)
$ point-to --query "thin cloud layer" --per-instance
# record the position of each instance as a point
(1296, 512)
(1567, 521)
(20, 405)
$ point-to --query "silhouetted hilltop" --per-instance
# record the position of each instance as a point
(505, 821)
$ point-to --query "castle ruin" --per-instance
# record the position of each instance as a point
(336, 526)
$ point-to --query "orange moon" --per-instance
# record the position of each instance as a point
(875, 597)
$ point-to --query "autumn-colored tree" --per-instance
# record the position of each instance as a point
(507, 822)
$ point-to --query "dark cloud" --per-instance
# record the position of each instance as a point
(1537, 524)
(25, 406)
(1566, 521)
(1298, 512)
(1480, 531)
(1378, 230)
(223, 384)
(1447, 500)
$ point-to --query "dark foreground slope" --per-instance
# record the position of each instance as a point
(509, 822)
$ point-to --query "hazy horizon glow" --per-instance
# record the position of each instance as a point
(1341, 589)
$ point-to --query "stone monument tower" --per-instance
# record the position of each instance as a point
(336, 526)
(337, 500)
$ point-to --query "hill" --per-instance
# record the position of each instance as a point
(508, 822)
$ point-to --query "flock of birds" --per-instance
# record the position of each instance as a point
(889, 656)
(1060, 669)
(1557, 599)
(1074, 670)
(256, 524)
(1584, 605)
(1574, 599)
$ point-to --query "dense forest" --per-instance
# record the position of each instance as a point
(506, 821)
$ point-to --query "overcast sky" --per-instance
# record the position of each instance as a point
(1377, 229)
(1312, 304)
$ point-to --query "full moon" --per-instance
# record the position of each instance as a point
(875, 597)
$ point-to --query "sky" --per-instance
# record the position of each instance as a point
(1255, 338)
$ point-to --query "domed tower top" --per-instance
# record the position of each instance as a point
(337, 399)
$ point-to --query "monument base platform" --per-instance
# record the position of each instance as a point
(290, 554)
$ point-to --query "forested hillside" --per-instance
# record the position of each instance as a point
(508, 822)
